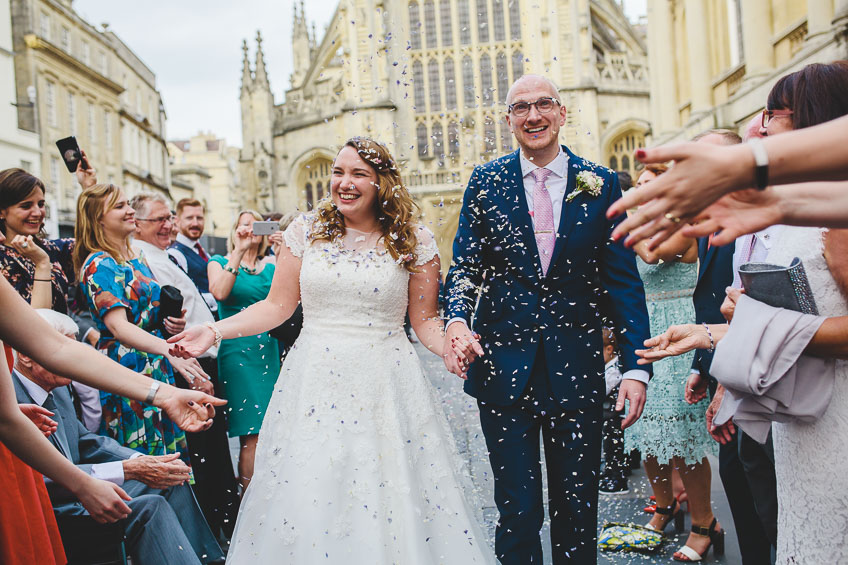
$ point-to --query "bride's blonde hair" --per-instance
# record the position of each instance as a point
(395, 208)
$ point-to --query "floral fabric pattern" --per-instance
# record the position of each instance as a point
(131, 286)
(20, 271)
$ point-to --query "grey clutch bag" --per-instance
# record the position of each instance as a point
(779, 286)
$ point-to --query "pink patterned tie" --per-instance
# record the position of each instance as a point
(543, 218)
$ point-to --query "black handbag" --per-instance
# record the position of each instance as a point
(288, 331)
(170, 304)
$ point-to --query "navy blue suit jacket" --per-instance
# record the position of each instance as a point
(715, 274)
(590, 282)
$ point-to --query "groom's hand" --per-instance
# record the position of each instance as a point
(635, 392)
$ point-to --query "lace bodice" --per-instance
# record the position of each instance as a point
(375, 292)
(812, 487)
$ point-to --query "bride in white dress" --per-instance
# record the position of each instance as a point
(355, 462)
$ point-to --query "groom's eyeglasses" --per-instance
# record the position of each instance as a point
(543, 105)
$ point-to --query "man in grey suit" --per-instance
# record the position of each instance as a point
(166, 524)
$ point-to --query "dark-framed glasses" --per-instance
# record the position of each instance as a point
(543, 106)
(769, 114)
(160, 220)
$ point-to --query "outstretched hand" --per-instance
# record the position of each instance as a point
(739, 213)
(86, 177)
(635, 392)
(676, 340)
(192, 342)
(40, 416)
(702, 173)
(103, 500)
(191, 410)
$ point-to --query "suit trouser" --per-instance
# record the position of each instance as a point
(758, 462)
(572, 441)
(214, 480)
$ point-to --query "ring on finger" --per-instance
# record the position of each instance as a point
(672, 217)
(25, 245)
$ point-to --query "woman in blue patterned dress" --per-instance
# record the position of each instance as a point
(672, 434)
(123, 297)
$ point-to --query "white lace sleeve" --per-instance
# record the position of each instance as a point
(297, 233)
(426, 249)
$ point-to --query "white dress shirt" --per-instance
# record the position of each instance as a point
(113, 471)
(557, 184)
(166, 272)
(181, 261)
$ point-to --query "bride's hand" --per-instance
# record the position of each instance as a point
(192, 342)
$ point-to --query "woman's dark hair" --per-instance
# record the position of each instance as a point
(15, 186)
(816, 94)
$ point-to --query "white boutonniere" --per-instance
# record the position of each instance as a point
(587, 182)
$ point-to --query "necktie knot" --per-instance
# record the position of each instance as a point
(541, 175)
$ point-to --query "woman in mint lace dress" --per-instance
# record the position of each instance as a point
(672, 434)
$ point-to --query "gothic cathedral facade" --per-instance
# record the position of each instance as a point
(429, 78)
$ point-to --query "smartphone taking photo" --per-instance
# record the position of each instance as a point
(71, 154)
(265, 228)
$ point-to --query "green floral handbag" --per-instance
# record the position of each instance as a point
(629, 537)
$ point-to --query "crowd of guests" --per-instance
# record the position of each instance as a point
(693, 221)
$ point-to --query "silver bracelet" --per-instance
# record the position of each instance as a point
(151, 394)
(709, 335)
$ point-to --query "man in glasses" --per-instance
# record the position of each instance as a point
(533, 230)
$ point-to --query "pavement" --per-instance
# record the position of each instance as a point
(463, 416)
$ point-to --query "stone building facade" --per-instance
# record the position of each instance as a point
(713, 62)
(87, 83)
(429, 78)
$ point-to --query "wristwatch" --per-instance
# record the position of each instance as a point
(761, 161)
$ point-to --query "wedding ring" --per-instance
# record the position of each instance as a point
(672, 217)
(25, 245)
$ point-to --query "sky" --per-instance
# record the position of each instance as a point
(194, 48)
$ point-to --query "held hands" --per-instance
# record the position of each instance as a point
(40, 416)
(157, 471)
(192, 342)
(103, 500)
(174, 325)
(461, 349)
(635, 392)
(191, 410)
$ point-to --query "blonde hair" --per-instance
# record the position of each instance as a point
(395, 207)
(231, 241)
(88, 232)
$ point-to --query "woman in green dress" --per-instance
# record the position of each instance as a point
(248, 366)
(672, 432)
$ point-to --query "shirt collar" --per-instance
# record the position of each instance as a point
(767, 236)
(559, 166)
(38, 394)
(185, 240)
(148, 249)
(612, 363)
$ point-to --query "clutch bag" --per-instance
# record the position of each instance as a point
(170, 304)
(779, 286)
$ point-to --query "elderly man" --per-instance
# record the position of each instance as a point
(166, 525)
(215, 483)
(533, 230)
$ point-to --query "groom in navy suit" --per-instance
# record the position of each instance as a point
(537, 276)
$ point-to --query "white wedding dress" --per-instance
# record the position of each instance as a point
(356, 462)
(812, 475)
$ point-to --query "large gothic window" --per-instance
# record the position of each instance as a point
(450, 85)
(434, 84)
(486, 89)
(490, 137)
(418, 86)
(498, 20)
(438, 141)
(430, 23)
(447, 23)
(414, 26)
(315, 176)
(464, 22)
(502, 74)
(468, 81)
(483, 20)
(309, 197)
(517, 65)
(621, 148)
(453, 138)
(421, 140)
(514, 19)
